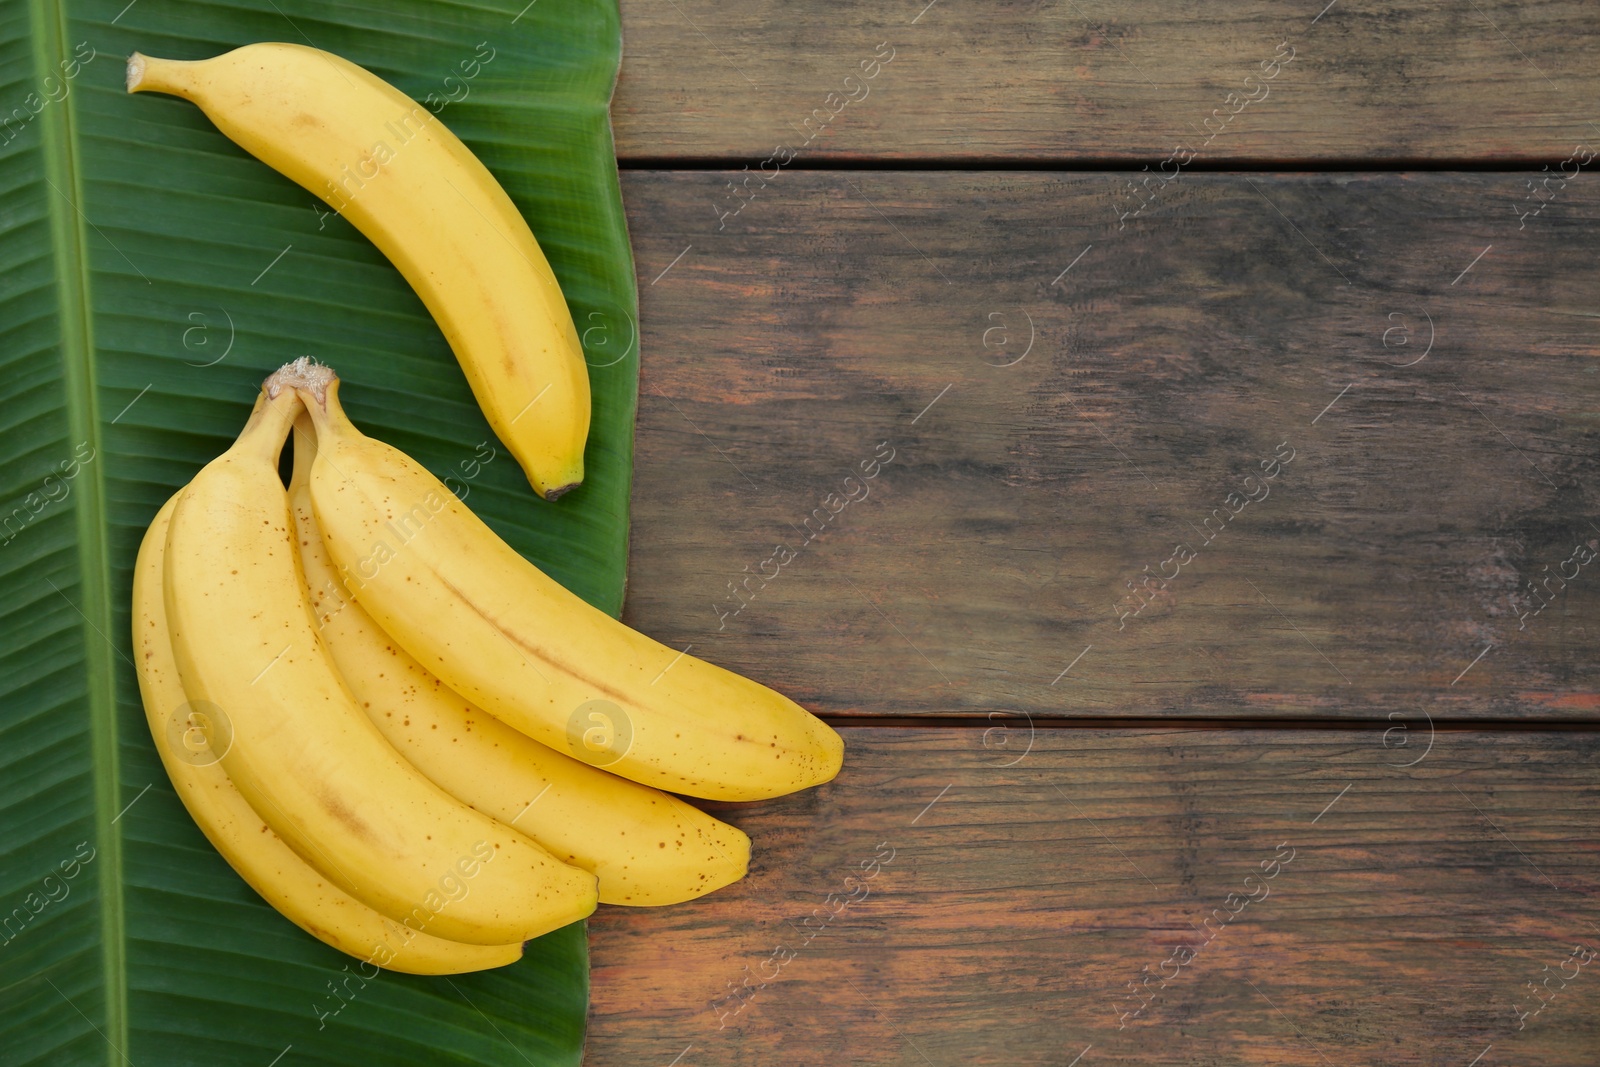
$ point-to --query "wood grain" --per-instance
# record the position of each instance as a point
(1385, 568)
(1021, 901)
(1088, 80)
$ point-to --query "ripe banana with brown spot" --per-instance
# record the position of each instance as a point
(645, 846)
(513, 641)
(384, 162)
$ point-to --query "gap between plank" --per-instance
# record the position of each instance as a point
(975, 722)
(1223, 164)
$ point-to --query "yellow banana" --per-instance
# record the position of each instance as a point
(513, 641)
(304, 755)
(646, 847)
(258, 854)
(389, 166)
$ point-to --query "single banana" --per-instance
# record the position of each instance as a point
(646, 847)
(304, 755)
(391, 168)
(513, 641)
(259, 855)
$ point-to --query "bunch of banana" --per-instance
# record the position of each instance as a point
(392, 169)
(394, 727)
(248, 842)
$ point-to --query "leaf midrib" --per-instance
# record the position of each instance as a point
(64, 191)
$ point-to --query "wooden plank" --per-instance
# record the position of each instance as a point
(1425, 354)
(1431, 80)
(1408, 910)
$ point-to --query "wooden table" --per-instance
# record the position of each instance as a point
(1163, 436)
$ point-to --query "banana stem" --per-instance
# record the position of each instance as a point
(291, 391)
(322, 405)
(268, 426)
(304, 375)
(152, 75)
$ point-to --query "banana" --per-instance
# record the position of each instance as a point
(646, 847)
(513, 641)
(384, 162)
(303, 754)
(260, 856)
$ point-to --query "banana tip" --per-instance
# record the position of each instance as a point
(561, 490)
(135, 72)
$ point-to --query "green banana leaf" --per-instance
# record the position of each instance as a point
(151, 274)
